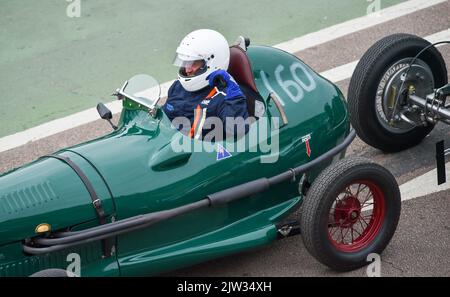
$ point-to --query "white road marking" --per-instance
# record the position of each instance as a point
(424, 185)
(62, 124)
(345, 71)
(358, 24)
(341, 72)
(55, 126)
(439, 36)
(294, 45)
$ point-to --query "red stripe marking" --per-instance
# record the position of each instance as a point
(308, 148)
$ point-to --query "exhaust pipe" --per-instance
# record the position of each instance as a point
(39, 246)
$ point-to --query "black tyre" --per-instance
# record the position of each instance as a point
(351, 210)
(53, 272)
(376, 82)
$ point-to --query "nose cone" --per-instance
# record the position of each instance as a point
(47, 191)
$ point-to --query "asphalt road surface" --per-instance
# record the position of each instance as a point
(421, 244)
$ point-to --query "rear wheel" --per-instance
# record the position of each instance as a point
(377, 82)
(351, 210)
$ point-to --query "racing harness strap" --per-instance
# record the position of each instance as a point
(200, 115)
(96, 202)
(199, 121)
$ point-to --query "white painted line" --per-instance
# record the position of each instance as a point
(439, 36)
(345, 71)
(62, 124)
(295, 45)
(424, 185)
(54, 127)
(341, 72)
(358, 24)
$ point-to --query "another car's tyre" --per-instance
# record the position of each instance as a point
(351, 210)
(53, 272)
(375, 85)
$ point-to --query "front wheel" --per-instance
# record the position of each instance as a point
(378, 105)
(351, 210)
(53, 272)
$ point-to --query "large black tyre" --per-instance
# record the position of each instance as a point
(366, 78)
(324, 213)
(53, 272)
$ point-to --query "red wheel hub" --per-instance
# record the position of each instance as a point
(347, 211)
(356, 216)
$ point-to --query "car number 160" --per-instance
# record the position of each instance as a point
(295, 88)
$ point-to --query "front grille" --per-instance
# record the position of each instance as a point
(34, 196)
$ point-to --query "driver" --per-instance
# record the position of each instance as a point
(204, 88)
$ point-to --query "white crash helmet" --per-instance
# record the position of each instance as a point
(206, 46)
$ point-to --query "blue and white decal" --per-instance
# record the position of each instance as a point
(222, 153)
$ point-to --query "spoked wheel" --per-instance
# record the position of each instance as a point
(356, 216)
(378, 91)
(351, 210)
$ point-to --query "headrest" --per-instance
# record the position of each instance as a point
(240, 68)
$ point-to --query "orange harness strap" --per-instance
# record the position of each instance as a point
(212, 93)
(199, 112)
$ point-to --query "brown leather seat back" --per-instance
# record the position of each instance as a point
(241, 70)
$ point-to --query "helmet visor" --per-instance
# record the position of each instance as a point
(188, 67)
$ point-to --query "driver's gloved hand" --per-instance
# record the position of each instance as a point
(225, 82)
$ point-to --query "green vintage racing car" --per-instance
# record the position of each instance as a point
(128, 204)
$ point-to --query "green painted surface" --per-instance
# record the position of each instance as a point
(129, 159)
(47, 191)
(53, 66)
